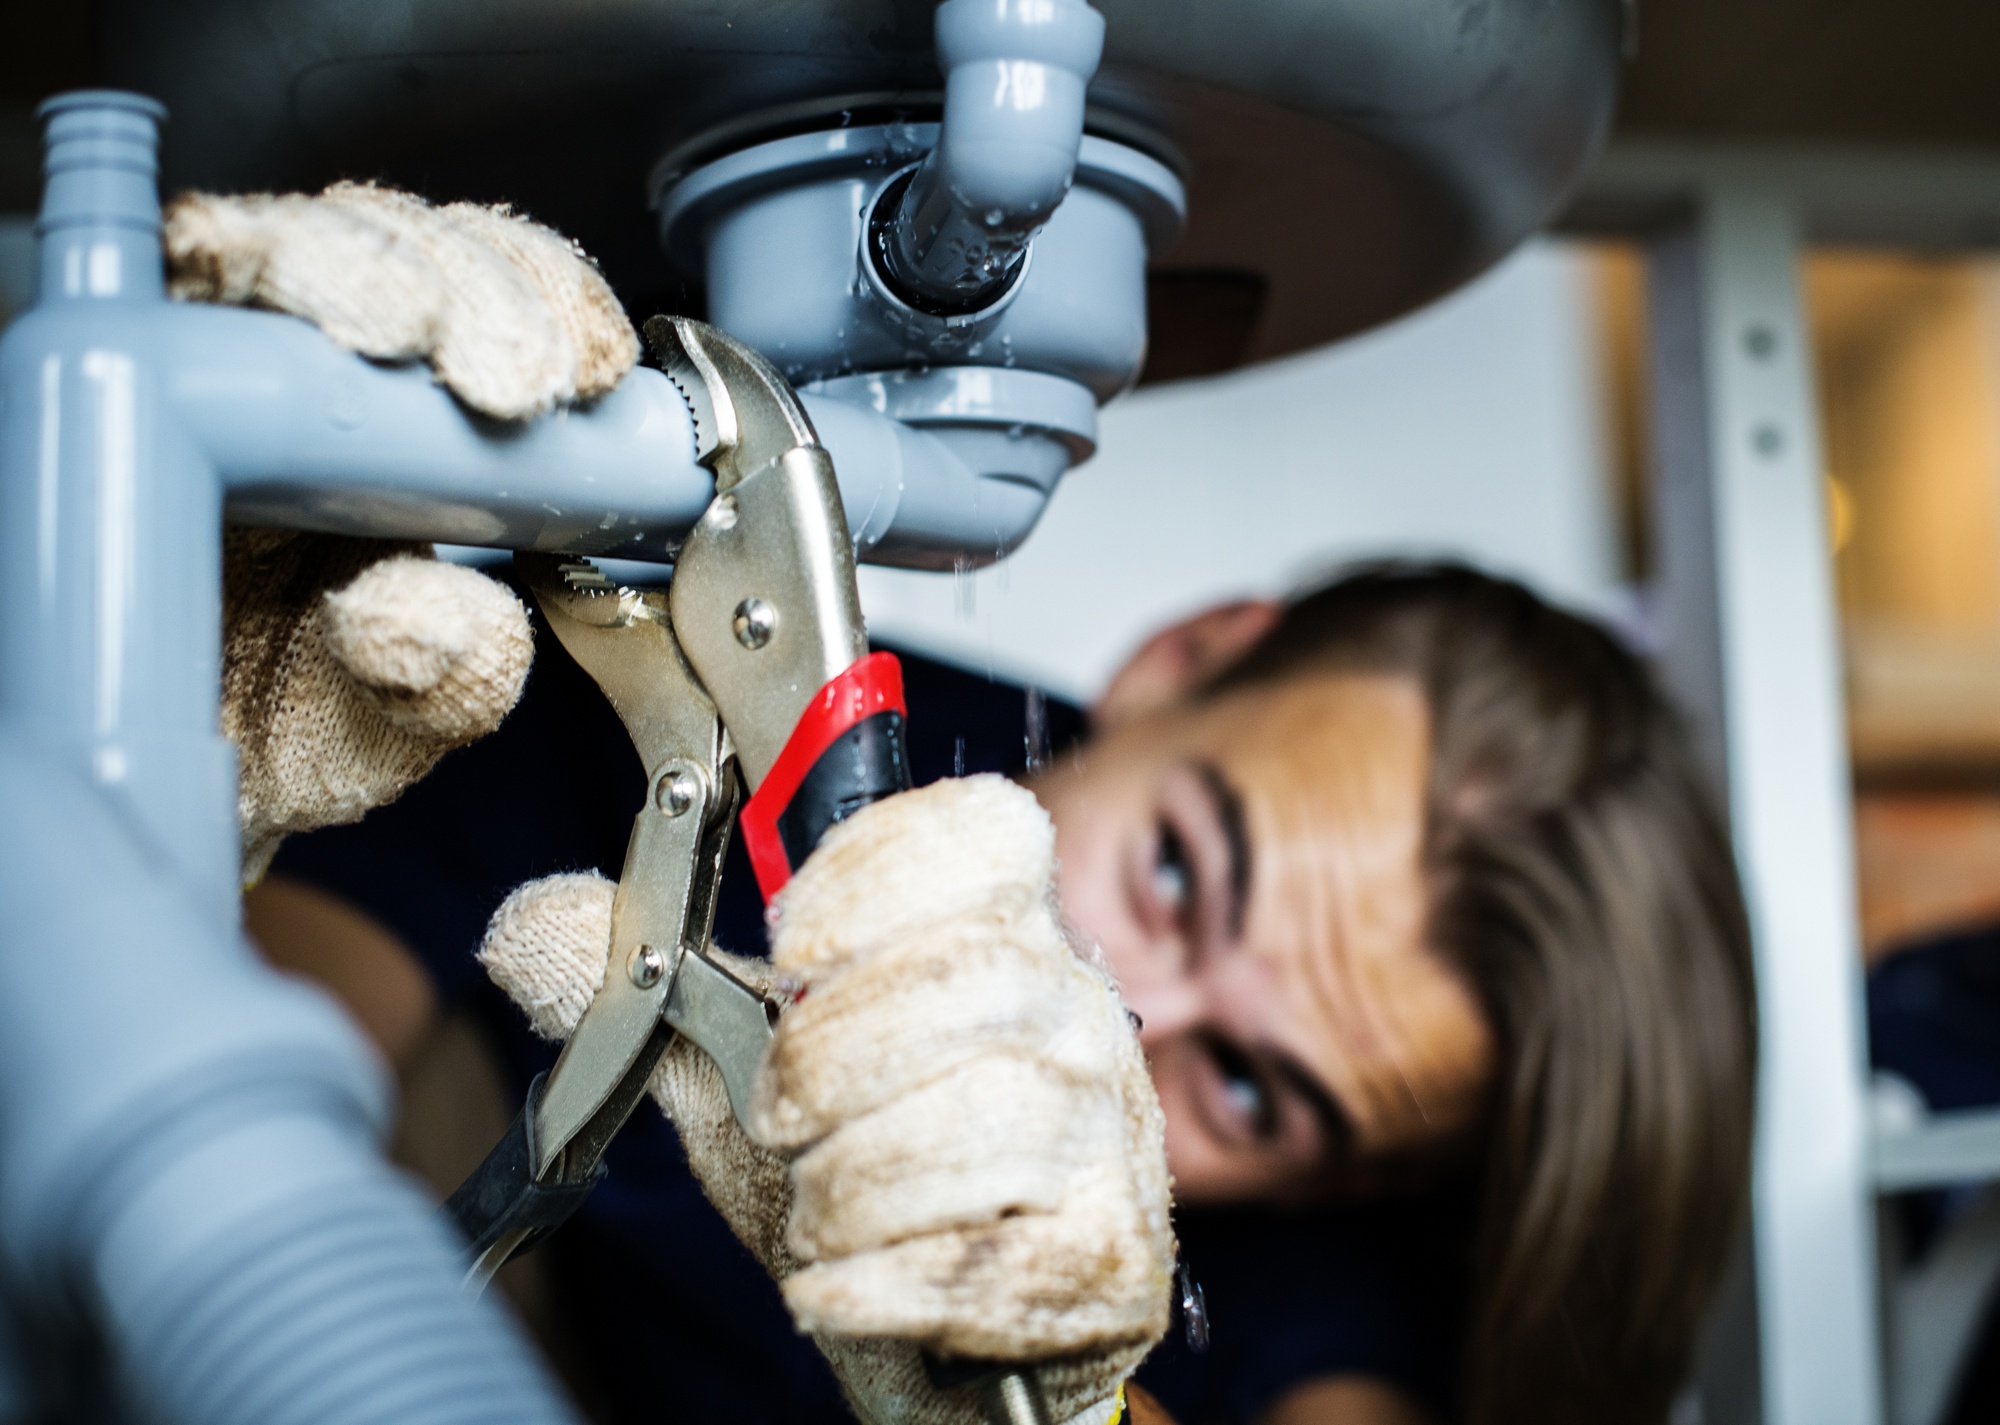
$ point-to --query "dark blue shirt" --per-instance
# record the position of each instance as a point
(665, 1314)
(1934, 1018)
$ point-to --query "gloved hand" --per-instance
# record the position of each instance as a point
(512, 317)
(956, 1143)
(350, 666)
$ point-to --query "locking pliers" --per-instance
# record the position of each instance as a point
(750, 674)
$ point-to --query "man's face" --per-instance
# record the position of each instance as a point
(1250, 866)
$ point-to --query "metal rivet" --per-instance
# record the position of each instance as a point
(754, 622)
(677, 790)
(647, 966)
(1761, 342)
(1768, 440)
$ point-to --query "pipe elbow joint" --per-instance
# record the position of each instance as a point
(1016, 72)
(1008, 180)
(1015, 75)
(1068, 34)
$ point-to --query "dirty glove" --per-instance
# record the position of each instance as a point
(512, 317)
(350, 666)
(956, 1142)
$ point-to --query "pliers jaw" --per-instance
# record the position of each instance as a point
(765, 606)
(745, 414)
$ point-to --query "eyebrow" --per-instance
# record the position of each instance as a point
(1229, 812)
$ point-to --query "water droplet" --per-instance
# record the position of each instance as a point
(1035, 729)
(1194, 1310)
(964, 592)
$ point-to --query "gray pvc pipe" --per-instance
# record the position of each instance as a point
(939, 498)
(303, 435)
(186, 1155)
(1015, 76)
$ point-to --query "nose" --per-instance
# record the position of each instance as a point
(1167, 1009)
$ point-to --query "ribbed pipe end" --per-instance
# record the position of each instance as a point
(74, 99)
(99, 226)
(100, 159)
(340, 1310)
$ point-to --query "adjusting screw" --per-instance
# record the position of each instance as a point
(647, 966)
(754, 623)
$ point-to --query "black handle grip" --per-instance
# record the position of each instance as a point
(502, 1199)
(863, 765)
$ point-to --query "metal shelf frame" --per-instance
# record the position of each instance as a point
(1946, 1150)
(1751, 645)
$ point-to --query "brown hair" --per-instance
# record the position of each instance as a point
(1581, 879)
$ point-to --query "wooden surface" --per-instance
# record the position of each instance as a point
(1142, 1409)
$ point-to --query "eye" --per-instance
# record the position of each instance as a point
(1244, 1088)
(1173, 878)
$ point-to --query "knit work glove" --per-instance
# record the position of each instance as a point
(350, 666)
(512, 317)
(956, 1144)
